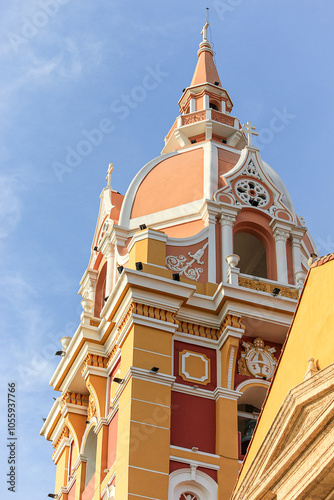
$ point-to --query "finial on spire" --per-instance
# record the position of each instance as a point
(204, 31)
(249, 130)
(109, 172)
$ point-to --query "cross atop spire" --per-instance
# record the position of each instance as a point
(109, 172)
(204, 32)
(249, 130)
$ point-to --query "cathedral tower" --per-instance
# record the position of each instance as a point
(191, 286)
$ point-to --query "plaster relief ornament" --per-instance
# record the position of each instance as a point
(181, 266)
(257, 360)
(91, 412)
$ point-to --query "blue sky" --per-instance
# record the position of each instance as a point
(65, 68)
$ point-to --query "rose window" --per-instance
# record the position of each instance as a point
(252, 193)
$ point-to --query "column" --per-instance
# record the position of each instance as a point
(281, 235)
(227, 221)
(209, 213)
(109, 255)
(192, 105)
(299, 274)
(206, 101)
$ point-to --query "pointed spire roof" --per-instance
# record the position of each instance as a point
(205, 70)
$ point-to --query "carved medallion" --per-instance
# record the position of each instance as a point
(257, 360)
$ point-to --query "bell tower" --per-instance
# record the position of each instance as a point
(193, 278)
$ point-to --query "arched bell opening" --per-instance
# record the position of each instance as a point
(252, 253)
(214, 105)
(100, 291)
(249, 407)
(253, 241)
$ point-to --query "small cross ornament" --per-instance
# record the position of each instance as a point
(109, 172)
(250, 130)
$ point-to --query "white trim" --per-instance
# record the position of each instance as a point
(94, 370)
(150, 402)
(158, 324)
(147, 234)
(141, 496)
(200, 484)
(196, 355)
(258, 381)
(157, 378)
(189, 338)
(191, 240)
(230, 367)
(149, 470)
(186, 389)
(153, 352)
(212, 455)
(150, 425)
(72, 408)
(64, 442)
(194, 462)
(222, 392)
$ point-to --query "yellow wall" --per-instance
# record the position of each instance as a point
(311, 336)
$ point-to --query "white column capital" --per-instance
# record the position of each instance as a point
(227, 220)
(281, 234)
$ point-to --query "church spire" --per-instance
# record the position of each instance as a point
(206, 71)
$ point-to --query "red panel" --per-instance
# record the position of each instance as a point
(112, 439)
(193, 422)
(209, 353)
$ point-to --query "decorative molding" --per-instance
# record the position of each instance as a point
(189, 377)
(232, 321)
(197, 463)
(257, 360)
(198, 330)
(262, 286)
(182, 266)
(92, 410)
(230, 367)
(252, 192)
(95, 360)
(74, 398)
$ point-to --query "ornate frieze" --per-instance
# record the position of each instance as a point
(94, 360)
(233, 321)
(74, 398)
(183, 266)
(290, 293)
(193, 117)
(257, 360)
(222, 118)
(198, 330)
